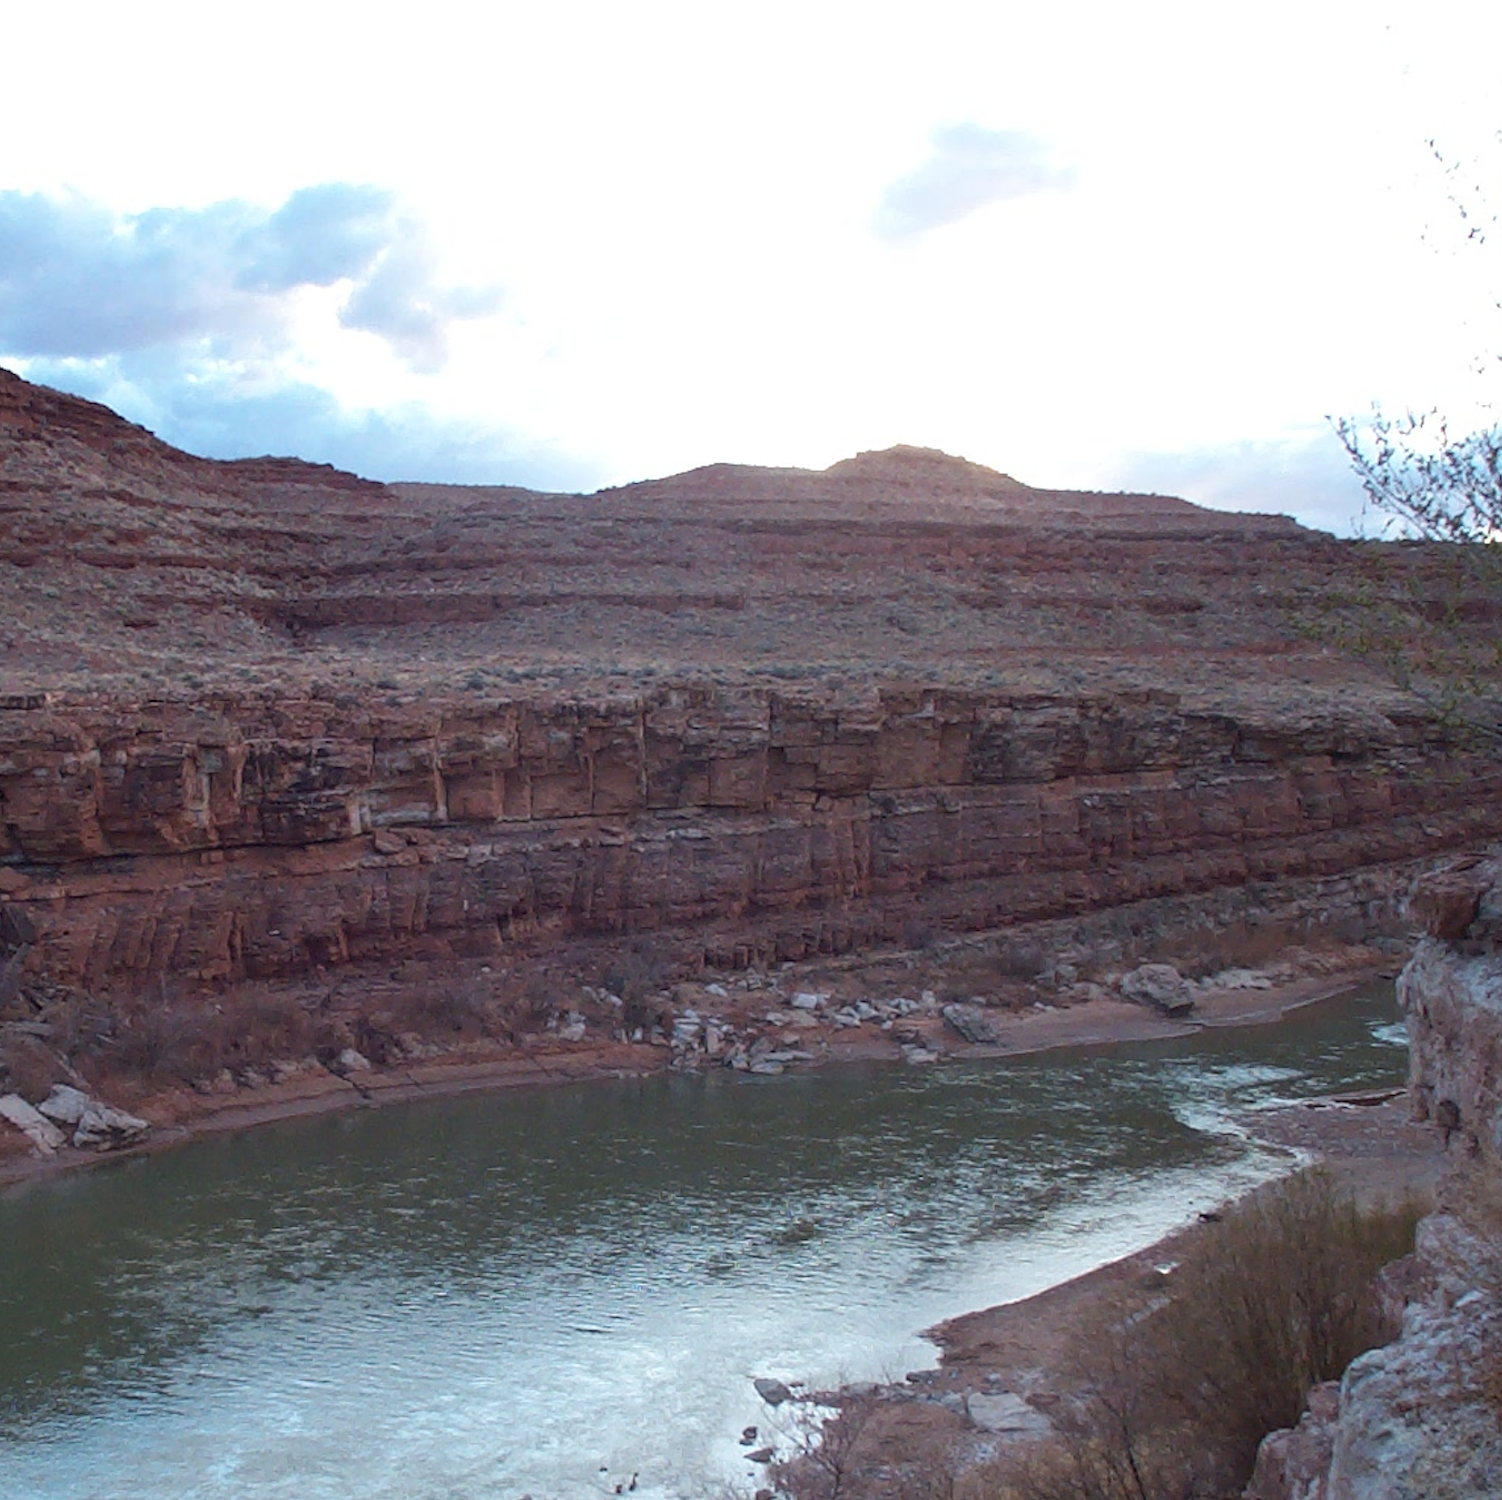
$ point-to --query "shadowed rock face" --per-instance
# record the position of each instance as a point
(1419, 1415)
(261, 717)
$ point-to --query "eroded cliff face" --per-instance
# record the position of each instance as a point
(225, 840)
(262, 720)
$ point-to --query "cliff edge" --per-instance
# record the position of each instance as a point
(1422, 1416)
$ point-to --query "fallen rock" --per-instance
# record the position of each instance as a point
(972, 1023)
(105, 1128)
(773, 1392)
(350, 1061)
(1160, 986)
(1007, 1415)
(1239, 979)
(65, 1105)
(42, 1133)
(1294, 1462)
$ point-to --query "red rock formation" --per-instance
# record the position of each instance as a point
(260, 717)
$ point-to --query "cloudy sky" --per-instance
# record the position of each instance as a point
(574, 244)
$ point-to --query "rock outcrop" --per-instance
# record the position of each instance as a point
(263, 720)
(1422, 1416)
(223, 840)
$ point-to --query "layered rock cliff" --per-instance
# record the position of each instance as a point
(262, 719)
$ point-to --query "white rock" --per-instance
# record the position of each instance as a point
(354, 1062)
(1239, 979)
(65, 1105)
(105, 1128)
(807, 1000)
(1007, 1415)
(41, 1132)
(1160, 986)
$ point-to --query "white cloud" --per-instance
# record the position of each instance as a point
(80, 280)
(969, 168)
(1306, 475)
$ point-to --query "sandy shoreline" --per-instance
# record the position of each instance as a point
(1369, 1144)
(182, 1116)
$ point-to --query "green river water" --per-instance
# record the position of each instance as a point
(547, 1291)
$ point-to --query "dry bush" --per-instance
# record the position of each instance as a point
(465, 1008)
(29, 1068)
(169, 1036)
(1278, 1299)
(157, 1038)
(825, 1459)
(1241, 945)
(1177, 1395)
(636, 975)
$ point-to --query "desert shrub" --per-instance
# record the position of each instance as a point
(260, 1026)
(636, 974)
(170, 1036)
(1021, 961)
(29, 1068)
(1238, 945)
(919, 933)
(462, 1008)
(526, 1008)
(161, 1037)
(1177, 1395)
(1280, 1298)
(825, 1461)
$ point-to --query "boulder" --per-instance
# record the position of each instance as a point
(41, 1132)
(773, 1392)
(1007, 1415)
(65, 1105)
(1294, 1462)
(105, 1128)
(972, 1023)
(1160, 986)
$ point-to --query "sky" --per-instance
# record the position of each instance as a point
(1148, 246)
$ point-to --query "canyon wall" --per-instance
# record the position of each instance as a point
(263, 720)
(221, 839)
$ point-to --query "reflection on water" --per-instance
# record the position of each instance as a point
(547, 1291)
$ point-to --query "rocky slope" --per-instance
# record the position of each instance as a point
(1422, 1416)
(266, 721)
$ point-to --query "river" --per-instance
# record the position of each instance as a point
(548, 1291)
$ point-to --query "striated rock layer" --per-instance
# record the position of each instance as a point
(225, 840)
(260, 719)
